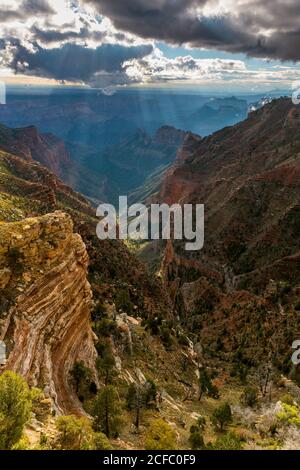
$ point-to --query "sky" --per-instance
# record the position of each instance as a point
(219, 44)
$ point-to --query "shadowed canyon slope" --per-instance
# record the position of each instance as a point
(248, 177)
(99, 174)
(27, 142)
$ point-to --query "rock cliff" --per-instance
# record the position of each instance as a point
(45, 304)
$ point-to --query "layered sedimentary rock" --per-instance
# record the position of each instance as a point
(45, 304)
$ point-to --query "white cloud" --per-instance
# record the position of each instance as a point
(156, 67)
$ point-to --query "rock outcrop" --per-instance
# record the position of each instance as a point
(45, 321)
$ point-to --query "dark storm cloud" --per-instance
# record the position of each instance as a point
(54, 35)
(73, 62)
(27, 9)
(241, 30)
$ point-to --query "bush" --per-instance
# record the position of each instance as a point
(289, 414)
(221, 416)
(74, 433)
(196, 440)
(160, 436)
(123, 301)
(288, 399)
(22, 444)
(249, 397)
(15, 407)
(153, 325)
(229, 441)
(99, 311)
(166, 337)
(41, 406)
(83, 380)
(105, 327)
(101, 442)
(206, 386)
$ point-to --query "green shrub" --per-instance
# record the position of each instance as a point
(196, 440)
(15, 407)
(83, 380)
(74, 433)
(229, 441)
(221, 416)
(22, 444)
(249, 397)
(160, 436)
(288, 399)
(99, 312)
(166, 336)
(206, 386)
(123, 301)
(101, 442)
(289, 414)
(105, 327)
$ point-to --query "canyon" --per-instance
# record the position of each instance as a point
(231, 308)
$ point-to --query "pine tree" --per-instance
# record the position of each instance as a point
(140, 396)
(222, 416)
(106, 365)
(107, 412)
